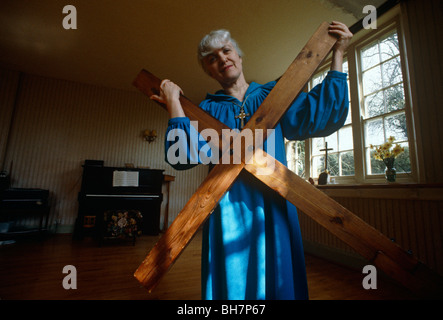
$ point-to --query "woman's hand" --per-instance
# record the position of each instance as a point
(170, 96)
(341, 31)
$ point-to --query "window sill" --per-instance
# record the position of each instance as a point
(412, 191)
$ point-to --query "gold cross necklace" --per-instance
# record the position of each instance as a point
(242, 115)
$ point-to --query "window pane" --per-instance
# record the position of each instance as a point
(318, 78)
(345, 138)
(349, 117)
(374, 132)
(295, 155)
(392, 72)
(372, 80)
(347, 163)
(402, 162)
(389, 47)
(370, 56)
(396, 126)
(290, 155)
(374, 166)
(345, 66)
(318, 165)
(317, 144)
(332, 143)
(300, 158)
(333, 165)
(395, 98)
(374, 105)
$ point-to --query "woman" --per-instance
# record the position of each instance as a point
(252, 247)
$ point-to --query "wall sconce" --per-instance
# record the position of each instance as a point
(149, 135)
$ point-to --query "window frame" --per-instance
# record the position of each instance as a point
(353, 56)
(357, 92)
(336, 179)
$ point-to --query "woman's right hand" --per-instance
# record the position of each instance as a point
(170, 96)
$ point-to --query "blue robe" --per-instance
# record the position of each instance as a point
(252, 246)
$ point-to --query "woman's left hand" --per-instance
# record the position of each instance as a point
(341, 31)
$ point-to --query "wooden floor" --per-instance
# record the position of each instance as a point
(33, 270)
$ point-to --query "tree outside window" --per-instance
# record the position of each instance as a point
(383, 107)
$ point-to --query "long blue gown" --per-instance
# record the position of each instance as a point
(252, 247)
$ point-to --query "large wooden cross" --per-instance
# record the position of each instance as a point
(363, 238)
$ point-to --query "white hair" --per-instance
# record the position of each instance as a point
(215, 40)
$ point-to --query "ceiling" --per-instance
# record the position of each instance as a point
(114, 40)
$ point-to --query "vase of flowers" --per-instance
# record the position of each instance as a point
(387, 153)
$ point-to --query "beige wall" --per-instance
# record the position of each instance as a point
(54, 125)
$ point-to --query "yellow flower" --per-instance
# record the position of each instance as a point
(386, 150)
(397, 150)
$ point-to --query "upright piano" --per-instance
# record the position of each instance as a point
(115, 188)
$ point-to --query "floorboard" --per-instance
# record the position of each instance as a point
(32, 270)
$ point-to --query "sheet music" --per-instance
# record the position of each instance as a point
(125, 179)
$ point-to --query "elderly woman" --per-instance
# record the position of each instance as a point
(252, 247)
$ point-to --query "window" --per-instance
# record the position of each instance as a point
(383, 108)
(295, 154)
(378, 110)
(341, 156)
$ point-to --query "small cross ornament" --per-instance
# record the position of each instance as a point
(323, 178)
(326, 155)
(242, 115)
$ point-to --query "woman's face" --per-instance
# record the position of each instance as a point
(224, 64)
